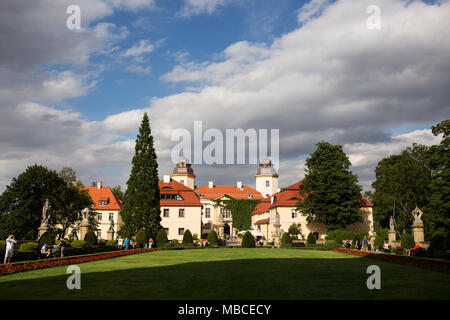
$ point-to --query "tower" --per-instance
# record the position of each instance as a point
(266, 178)
(184, 174)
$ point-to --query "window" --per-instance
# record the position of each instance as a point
(267, 195)
(111, 216)
(181, 213)
(208, 213)
(102, 202)
(249, 195)
(166, 213)
(207, 226)
(180, 231)
(182, 181)
(166, 230)
(316, 235)
(267, 183)
(171, 197)
(294, 213)
(99, 233)
(226, 213)
(99, 217)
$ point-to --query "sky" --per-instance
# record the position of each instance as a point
(312, 69)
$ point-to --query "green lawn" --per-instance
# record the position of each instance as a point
(230, 274)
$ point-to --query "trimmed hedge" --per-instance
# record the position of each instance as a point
(174, 242)
(102, 243)
(286, 239)
(212, 237)
(330, 244)
(407, 241)
(91, 238)
(28, 247)
(79, 244)
(161, 238)
(111, 243)
(248, 241)
(141, 238)
(187, 237)
(311, 239)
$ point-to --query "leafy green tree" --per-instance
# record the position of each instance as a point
(141, 201)
(141, 238)
(402, 183)
(117, 190)
(437, 212)
(330, 192)
(21, 203)
(295, 229)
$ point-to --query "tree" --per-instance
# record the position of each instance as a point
(68, 175)
(21, 203)
(212, 237)
(117, 190)
(295, 229)
(437, 212)
(161, 238)
(141, 200)
(402, 183)
(286, 240)
(248, 241)
(141, 238)
(330, 192)
(311, 239)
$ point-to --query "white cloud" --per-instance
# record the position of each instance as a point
(144, 47)
(195, 7)
(311, 9)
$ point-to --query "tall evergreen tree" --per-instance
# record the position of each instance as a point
(330, 190)
(141, 200)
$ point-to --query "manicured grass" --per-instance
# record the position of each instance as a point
(237, 273)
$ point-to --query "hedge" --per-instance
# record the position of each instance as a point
(311, 239)
(111, 243)
(161, 238)
(28, 247)
(212, 237)
(330, 244)
(187, 237)
(248, 241)
(90, 238)
(79, 244)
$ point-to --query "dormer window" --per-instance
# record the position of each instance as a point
(249, 195)
(102, 203)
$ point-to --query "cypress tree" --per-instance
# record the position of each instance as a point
(141, 208)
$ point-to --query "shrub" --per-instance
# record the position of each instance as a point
(195, 237)
(330, 244)
(407, 241)
(28, 247)
(79, 244)
(439, 241)
(111, 243)
(286, 240)
(337, 236)
(187, 237)
(311, 239)
(174, 242)
(161, 238)
(379, 241)
(212, 237)
(90, 238)
(141, 238)
(188, 245)
(102, 243)
(248, 241)
(47, 238)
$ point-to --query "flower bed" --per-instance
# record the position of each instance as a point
(413, 261)
(42, 264)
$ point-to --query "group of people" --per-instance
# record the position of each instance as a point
(131, 244)
(45, 250)
(365, 244)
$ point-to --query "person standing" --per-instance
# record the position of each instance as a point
(62, 245)
(10, 241)
(127, 242)
(365, 243)
(120, 243)
(150, 242)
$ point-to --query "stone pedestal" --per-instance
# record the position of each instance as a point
(84, 228)
(391, 236)
(221, 231)
(42, 230)
(110, 234)
(418, 233)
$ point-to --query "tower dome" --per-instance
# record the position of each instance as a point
(183, 167)
(266, 178)
(183, 173)
(265, 167)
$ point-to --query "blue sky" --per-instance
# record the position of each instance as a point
(311, 69)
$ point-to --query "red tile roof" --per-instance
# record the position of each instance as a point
(105, 194)
(217, 191)
(190, 198)
(263, 221)
(289, 197)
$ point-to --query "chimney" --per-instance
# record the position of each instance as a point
(239, 185)
(167, 178)
(210, 184)
(272, 199)
(99, 184)
(278, 190)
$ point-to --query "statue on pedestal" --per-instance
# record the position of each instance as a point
(46, 210)
(417, 226)
(391, 224)
(110, 232)
(391, 232)
(417, 214)
(276, 234)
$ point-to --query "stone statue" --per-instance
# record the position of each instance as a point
(45, 213)
(111, 225)
(391, 224)
(417, 214)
